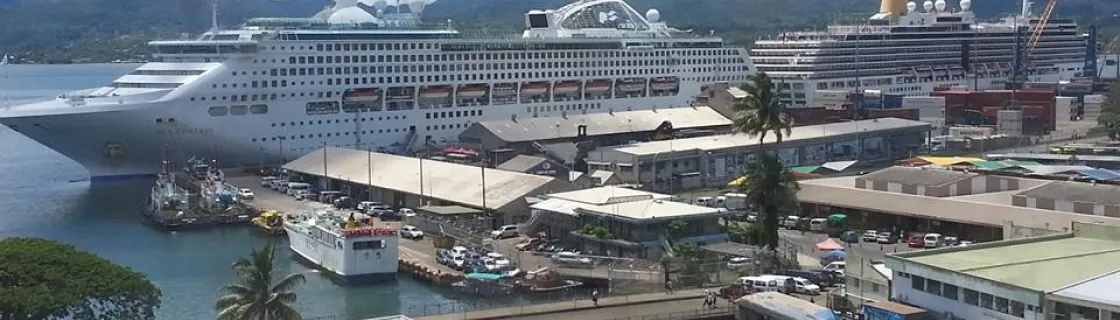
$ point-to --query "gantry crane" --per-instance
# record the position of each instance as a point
(1043, 19)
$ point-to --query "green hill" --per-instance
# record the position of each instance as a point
(63, 30)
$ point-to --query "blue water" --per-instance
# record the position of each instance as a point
(43, 194)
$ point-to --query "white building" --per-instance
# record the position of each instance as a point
(1004, 280)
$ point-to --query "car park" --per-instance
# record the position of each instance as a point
(411, 232)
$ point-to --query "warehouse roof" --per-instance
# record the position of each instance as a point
(623, 203)
(1100, 290)
(521, 163)
(1042, 264)
(929, 177)
(1076, 192)
(446, 181)
(803, 133)
(602, 123)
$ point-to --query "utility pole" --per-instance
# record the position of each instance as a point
(326, 179)
(369, 164)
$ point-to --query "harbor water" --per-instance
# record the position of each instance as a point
(43, 194)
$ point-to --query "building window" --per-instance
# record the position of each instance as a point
(1002, 305)
(918, 283)
(949, 291)
(986, 301)
(933, 287)
(1017, 309)
(971, 297)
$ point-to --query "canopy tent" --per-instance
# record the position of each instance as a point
(834, 255)
(838, 218)
(829, 245)
(838, 165)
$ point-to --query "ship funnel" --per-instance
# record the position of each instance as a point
(894, 8)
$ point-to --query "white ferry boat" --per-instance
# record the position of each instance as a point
(346, 249)
(909, 50)
(277, 88)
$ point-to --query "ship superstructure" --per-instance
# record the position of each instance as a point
(277, 88)
(344, 247)
(909, 50)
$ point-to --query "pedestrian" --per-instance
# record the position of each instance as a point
(707, 298)
(595, 297)
(669, 286)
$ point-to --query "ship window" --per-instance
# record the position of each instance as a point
(218, 111)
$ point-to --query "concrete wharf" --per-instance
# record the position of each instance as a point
(686, 304)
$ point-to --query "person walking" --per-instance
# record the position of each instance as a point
(669, 286)
(707, 298)
(595, 297)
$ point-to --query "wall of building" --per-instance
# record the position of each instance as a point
(975, 185)
(1089, 208)
(960, 295)
(1061, 308)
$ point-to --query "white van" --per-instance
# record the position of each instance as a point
(818, 224)
(295, 187)
(790, 222)
(267, 181)
(800, 285)
(277, 184)
(836, 267)
(764, 284)
(933, 240)
(704, 201)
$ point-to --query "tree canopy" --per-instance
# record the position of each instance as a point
(1110, 112)
(46, 279)
(762, 112)
(772, 190)
(255, 296)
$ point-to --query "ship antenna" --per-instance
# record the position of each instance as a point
(213, 15)
(4, 64)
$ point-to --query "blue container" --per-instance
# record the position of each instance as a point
(892, 101)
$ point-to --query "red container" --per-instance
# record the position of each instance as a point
(985, 105)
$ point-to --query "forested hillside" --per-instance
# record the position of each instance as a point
(60, 30)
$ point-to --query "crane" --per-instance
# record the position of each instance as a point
(1036, 35)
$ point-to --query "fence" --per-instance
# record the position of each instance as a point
(687, 314)
(466, 230)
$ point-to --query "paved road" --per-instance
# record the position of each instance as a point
(662, 309)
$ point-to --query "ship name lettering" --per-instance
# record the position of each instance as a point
(186, 131)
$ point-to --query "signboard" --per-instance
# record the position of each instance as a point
(545, 169)
(872, 313)
(970, 132)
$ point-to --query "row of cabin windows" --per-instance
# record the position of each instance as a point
(330, 134)
(328, 121)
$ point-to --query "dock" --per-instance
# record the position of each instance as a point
(686, 304)
(189, 210)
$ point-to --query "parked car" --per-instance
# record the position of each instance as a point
(343, 202)
(304, 194)
(916, 240)
(570, 258)
(529, 244)
(389, 215)
(952, 241)
(364, 205)
(932, 240)
(819, 278)
(411, 232)
(267, 181)
(964, 243)
(836, 267)
(244, 194)
(503, 232)
(870, 236)
(790, 222)
(752, 217)
(738, 262)
(406, 212)
(887, 237)
(800, 285)
(850, 236)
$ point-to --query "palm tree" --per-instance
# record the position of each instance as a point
(771, 188)
(761, 111)
(254, 296)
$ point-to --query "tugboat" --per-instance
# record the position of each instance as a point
(271, 222)
(168, 204)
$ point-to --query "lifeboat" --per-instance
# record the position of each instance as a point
(401, 94)
(598, 86)
(537, 88)
(362, 95)
(632, 85)
(435, 92)
(472, 91)
(566, 87)
(665, 84)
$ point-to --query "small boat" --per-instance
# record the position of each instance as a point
(271, 222)
(472, 91)
(598, 86)
(566, 87)
(664, 84)
(544, 280)
(632, 85)
(535, 88)
(362, 95)
(438, 92)
(484, 284)
(401, 94)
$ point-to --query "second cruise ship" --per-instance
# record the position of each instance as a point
(909, 50)
(372, 76)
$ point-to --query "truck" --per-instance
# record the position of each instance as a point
(735, 201)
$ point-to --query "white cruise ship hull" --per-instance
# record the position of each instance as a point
(348, 265)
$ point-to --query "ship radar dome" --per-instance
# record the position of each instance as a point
(940, 4)
(351, 14)
(911, 6)
(928, 6)
(652, 15)
(966, 5)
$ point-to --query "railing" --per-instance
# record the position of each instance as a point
(699, 313)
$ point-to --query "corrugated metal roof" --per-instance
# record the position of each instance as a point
(1098, 290)
(446, 181)
(797, 134)
(521, 163)
(1100, 174)
(602, 123)
(1076, 192)
(607, 194)
(930, 177)
(1049, 170)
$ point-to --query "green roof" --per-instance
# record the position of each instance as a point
(1043, 265)
(1021, 163)
(805, 169)
(990, 165)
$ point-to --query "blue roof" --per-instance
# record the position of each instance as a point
(1100, 174)
(484, 276)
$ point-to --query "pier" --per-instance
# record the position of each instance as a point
(687, 304)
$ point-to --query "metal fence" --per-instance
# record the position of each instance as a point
(687, 314)
(469, 231)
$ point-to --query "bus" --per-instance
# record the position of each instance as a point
(778, 306)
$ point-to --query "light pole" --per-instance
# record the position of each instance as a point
(280, 139)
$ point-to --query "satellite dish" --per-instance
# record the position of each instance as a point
(966, 5)
(911, 6)
(940, 4)
(416, 6)
(652, 15)
(928, 6)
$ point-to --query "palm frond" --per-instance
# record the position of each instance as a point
(288, 283)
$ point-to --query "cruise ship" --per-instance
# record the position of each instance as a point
(372, 76)
(349, 250)
(908, 50)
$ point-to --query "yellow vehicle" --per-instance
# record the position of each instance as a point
(271, 222)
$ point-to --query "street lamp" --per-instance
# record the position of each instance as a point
(280, 139)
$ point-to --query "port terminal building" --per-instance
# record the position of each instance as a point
(713, 161)
(556, 137)
(1073, 275)
(413, 182)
